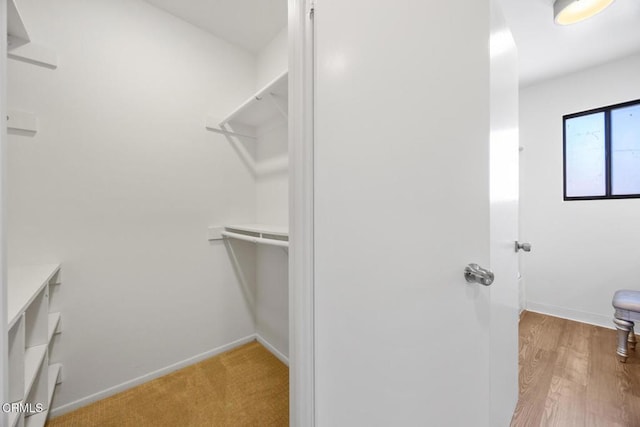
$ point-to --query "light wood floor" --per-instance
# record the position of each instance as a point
(569, 376)
(246, 386)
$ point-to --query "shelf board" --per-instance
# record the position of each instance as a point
(54, 378)
(17, 34)
(35, 54)
(39, 420)
(33, 357)
(25, 282)
(36, 420)
(54, 321)
(259, 109)
(274, 230)
(13, 418)
(258, 233)
(21, 121)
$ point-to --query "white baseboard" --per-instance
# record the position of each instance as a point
(570, 314)
(284, 359)
(60, 410)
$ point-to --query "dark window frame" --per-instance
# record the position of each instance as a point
(607, 155)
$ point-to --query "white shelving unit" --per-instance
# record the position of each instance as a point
(31, 329)
(19, 45)
(17, 34)
(38, 420)
(260, 108)
(258, 233)
(257, 129)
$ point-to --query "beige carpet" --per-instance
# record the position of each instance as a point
(246, 386)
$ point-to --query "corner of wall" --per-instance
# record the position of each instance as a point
(273, 59)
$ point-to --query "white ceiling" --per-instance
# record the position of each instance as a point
(547, 50)
(250, 24)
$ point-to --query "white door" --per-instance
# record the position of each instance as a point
(401, 206)
(503, 195)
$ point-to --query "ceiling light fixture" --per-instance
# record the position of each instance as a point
(567, 12)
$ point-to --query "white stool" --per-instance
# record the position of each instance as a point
(627, 306)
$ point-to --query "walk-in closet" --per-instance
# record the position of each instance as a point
(147, 211)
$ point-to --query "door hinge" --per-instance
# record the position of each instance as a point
(312, 8)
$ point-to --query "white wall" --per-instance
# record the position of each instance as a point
(272, 191)
(582, 250)
(272, 154)
(272, 300)
(121, 182)
(272, 207)
(273, 59)
(272, 204)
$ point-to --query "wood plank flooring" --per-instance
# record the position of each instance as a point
(569, 376)
(246, 386)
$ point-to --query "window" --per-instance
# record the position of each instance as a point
(602, 153)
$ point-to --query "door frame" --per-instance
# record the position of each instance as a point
(301, 212)
(4, 338)
(301, 222)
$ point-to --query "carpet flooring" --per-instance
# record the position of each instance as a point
(246, 386)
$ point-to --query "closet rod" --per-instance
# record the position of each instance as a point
(260, 240)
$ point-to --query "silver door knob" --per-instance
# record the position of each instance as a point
(473, 273)
(525, 246)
